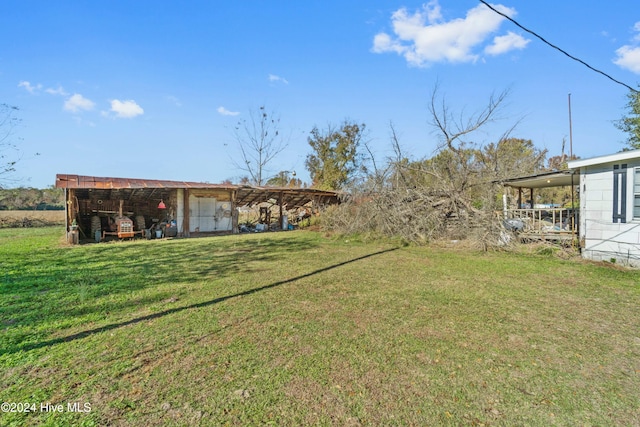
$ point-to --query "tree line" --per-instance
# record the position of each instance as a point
(340, 155)
(27, 198)
(456, 191)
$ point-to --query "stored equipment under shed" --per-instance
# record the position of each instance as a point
(99, 208)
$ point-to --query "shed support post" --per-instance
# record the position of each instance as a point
(281, 216)
(67, 206)
(234, 213)
(187, 213)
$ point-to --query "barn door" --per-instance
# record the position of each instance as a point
(223, 212)
(202, 211)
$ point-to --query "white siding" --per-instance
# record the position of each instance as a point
(180, 212)
(604, 239)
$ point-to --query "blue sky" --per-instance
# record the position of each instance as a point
(153, 89)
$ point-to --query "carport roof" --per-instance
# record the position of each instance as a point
(543, 180)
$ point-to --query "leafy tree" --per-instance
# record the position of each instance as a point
(559, 163)
(452, 170)
(630, 123)
(335, 158)
(510, 158)
(285, 179)
(23, 198)
(259, 141)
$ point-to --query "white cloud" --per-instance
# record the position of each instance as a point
(504, 44)
(226, 112)
(29, 87)
(126, 109)
(58, 91)
(82, 122)
(434, 12)
(424, 38)
(33, 89)
(383, 42)
(274, 78)
(174, 101)
(628, 56)
(76, 103)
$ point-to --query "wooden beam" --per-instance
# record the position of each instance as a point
(68, 193)
(234, 212)
(185, 219)
(281, 215)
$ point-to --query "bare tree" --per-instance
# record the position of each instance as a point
(259, 140)
(450, 195)
(8, 150)
(453, 132)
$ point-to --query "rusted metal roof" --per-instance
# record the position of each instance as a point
(291, 197)
(245, 195)
(86, 182)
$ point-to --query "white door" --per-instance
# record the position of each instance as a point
(202, 211)
(224, 216)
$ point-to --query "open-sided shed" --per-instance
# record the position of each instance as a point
(177, 208)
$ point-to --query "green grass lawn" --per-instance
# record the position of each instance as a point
(297, 329)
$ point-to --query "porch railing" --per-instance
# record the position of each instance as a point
(541, 221)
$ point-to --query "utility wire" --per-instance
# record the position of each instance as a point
(556, 47)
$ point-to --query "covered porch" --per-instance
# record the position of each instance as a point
(536, 219)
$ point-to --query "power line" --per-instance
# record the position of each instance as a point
(556, 47)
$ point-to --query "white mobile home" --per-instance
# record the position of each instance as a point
(610, 207)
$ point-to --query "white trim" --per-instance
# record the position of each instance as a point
(610, 158)
(636, 176)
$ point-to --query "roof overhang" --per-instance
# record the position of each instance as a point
(291, 197)
(245, 195)
(97, 182)
(543, 180)
(611, 158)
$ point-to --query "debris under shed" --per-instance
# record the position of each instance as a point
(99, 208)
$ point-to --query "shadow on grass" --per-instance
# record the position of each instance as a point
(53, 285)
(112, 326)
